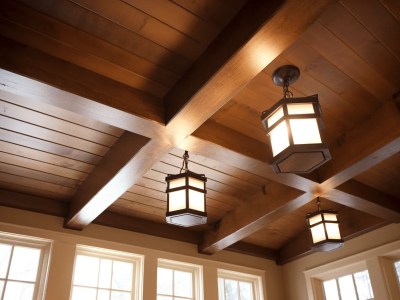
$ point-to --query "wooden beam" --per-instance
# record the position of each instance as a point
(372, 141)
(253, 250)
(252, 215)
(352, 224)
(148, 227)
(366, 199)
(256, 36)
(123, 165)
(33, 203)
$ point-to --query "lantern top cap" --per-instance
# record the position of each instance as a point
(285, 74)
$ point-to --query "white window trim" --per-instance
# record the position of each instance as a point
(255, 280)
(44, 263)
(196, 270)
(136, 259)
(380, 258)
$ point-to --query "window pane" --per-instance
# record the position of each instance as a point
(120, 296)
(164, 298)
(221, 288)
(103, 295)
(24, 263)
(183, 284)
(1, 287)
(331, 290)
(19, 291)
(363, 285)
(83, 293)
(122, 276)
(86, 270)
(246, 292)
(5, 252)
(164, 281)
(397, 268)
(105, 273)
(231, 289)
(347, 290)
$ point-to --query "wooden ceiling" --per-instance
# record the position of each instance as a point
(99, 100)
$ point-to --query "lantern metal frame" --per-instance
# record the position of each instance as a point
(187, 216)
(295, 158)
(328, 244)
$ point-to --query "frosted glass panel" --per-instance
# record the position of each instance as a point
(183, 284)
(275, 117)
(177, 200)
(331, 290)
(279, 138)
(300, 108)
(305, 131)
(82, 293)
(196, 183)
(24, 263)
(333, 230)
(177, 182)
(86, 270)
(122, 276)
(330, 217)
(5, 252)
(318, 233)
(346, 286)
(19, 291)
(164, 281)
(196, 200)
(315, 219)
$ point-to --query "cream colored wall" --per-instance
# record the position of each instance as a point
(293, 273)
(63, 251)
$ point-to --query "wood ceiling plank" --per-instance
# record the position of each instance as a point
(251, 216)
(340, 21)
(393, 6)
(226, 56)
(43, 120)
(366, 199)
(102, 28)
(33, 203)
(45, 157)
(53, 149)
(370, 142)
(352, 224)
(34, 191)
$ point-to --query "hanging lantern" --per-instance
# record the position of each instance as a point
(186, 197)
(293, 126)
(324, 228)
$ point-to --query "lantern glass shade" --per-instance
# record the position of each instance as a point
(293, 126)
(186, 199)
(325, 231)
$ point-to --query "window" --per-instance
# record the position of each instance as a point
(355, 286)
(238, 286)
(178, 281)
(397, 269)
(102, 274)
(23, 267)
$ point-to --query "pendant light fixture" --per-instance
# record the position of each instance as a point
(324, 228)
(293, 126)
(186, 197)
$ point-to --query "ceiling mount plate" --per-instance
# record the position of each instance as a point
(288, 72)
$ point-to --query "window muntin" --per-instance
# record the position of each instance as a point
(102, 274)
(23, 266)
(178, 281)
(238, 286)
(356, 286)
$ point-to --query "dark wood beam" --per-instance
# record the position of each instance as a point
(352, 224)
(33, 203)
(252, 215)
(253, 250)
(359, 196)
(124, 164)
(370, 142)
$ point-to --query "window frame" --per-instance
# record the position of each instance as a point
(45, 246)
(136, 259)
(196, 270)
(255, 280)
